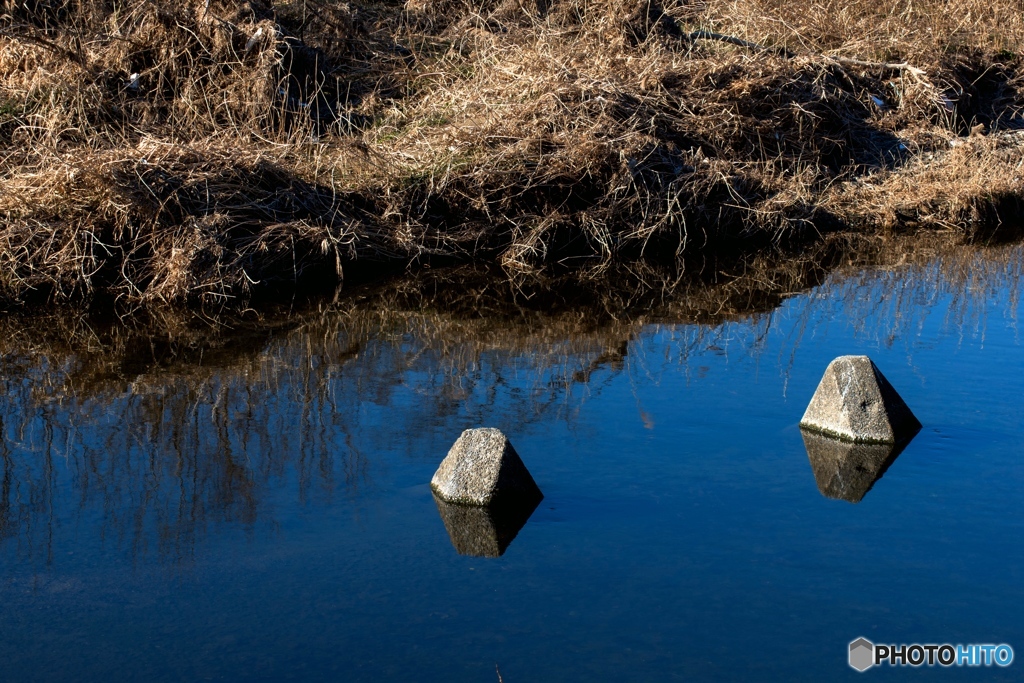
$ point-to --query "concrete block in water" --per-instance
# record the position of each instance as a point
(846, 470)
(482, 468)
(855, 402)
(484, 531)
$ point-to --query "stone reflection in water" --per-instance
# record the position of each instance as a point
(484, 531)
(846, 470)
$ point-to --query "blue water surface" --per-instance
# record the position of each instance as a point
(267, 516)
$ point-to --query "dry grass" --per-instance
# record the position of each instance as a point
(198, 153)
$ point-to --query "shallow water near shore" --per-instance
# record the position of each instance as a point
(261, 511)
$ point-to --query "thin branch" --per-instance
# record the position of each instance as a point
(49, 45)
(844, 61)
(884, 66)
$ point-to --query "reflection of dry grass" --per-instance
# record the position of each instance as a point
(181, 424)
(458, 315)
(974, 282)
(195, 152)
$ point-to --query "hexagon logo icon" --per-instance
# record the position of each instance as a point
(862, 654)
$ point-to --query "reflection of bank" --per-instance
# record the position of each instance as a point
(847, 470)
(484, 531)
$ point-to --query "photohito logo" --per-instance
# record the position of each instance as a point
(864, 654)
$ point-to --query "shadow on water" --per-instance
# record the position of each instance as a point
(845, 470)
(148, 438)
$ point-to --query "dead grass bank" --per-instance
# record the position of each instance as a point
(200, 152)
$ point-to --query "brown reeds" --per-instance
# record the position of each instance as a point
(200, 152)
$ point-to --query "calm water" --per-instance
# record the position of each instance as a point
(257, 508)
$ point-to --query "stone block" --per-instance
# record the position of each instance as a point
(482, 468)
(855, 402)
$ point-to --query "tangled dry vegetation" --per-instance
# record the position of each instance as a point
(202, 151)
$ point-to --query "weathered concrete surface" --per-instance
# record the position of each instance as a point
(854, 401)
(846, 470)
(482, 468)
(484, 531)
